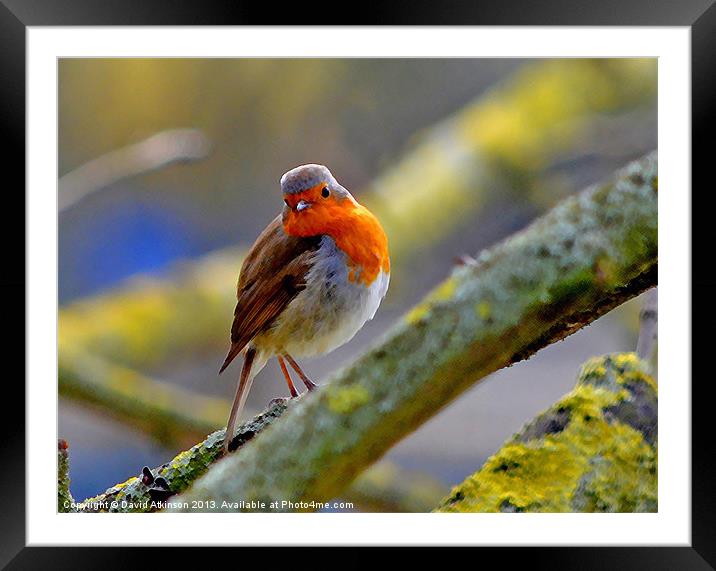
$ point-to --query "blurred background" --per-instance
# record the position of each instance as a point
(169, 169)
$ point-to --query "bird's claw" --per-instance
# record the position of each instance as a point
(281, 400)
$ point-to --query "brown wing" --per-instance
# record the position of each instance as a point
(271, 276)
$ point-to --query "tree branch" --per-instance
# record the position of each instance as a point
(384, 487)
(164, 411)
(504, 139)
(145, 492)
(159, 150)
(498, 143)
(478, 142)
(589, 254)
(64, 497)
(141, 323)
(593, 451)
(607, 278)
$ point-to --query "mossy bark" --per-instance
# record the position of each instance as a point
(589, 254)
(143, 494)
(148, 320)
(64, 497)
(502, 140)
(384, 487)
(593, 451)
(500, 143)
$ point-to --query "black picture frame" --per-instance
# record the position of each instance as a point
(699, 15)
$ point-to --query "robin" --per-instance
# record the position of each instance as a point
(311, 280)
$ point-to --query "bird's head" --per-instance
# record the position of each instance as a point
(314, 202)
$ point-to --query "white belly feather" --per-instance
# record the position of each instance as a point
(329, 312)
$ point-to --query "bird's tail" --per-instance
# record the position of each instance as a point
(235, 350)
(242, 391)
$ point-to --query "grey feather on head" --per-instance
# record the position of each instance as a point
(306, 176)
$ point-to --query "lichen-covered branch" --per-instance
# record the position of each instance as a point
(178, 417)
(384, 487)
(589, 254)
(64, 497)
(147, 492)
(168, 413)
(136, 494)
(593, 451)
(501, 140)
(148, 319)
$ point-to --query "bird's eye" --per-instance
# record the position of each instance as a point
(325, 192)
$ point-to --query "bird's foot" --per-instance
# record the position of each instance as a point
(310, 385)
(278, 400)
(281, 400)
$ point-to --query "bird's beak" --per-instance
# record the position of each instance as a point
(302, 205)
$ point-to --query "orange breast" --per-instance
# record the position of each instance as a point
(355, 230)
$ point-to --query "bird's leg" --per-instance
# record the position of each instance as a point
(284, 370)
(242, 391)
(310, 385)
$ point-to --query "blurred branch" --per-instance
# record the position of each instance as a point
(500, 141)
(158, 151)
(588, 255)
(561, 273)
(593, 451)
(171, 415)
(177, 417)
(615, 136)
(149, 319)
(386, 488)
(502, 138)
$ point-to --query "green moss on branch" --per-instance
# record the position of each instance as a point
(148, 319)
(590, 253)
(503, 140)
(141, 495)
(593, 451)
(64, 497)
(510, 133)
(384, 487)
